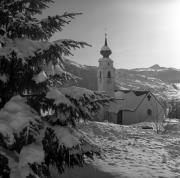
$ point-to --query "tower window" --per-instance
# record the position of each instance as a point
(109, 74)
(100, 74)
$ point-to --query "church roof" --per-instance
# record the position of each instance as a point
(128, 100)
(105, 48)
(136, 92)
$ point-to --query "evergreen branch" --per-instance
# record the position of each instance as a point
(36, 7)
(66, 45)
(52, 24)
(30, 66)
(31, 6)
(19, 23)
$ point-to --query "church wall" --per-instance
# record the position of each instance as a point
(142, 114)
(154, 106)
(129, 117)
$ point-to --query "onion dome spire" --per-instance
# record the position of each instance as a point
(105, 50)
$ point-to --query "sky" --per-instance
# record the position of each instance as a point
(141, 33)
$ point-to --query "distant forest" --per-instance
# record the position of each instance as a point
(174, 111)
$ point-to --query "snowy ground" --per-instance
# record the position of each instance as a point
(131, 152)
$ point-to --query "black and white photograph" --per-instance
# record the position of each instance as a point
(89, 88)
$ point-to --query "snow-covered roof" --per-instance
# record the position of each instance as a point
(127, 100)
(115, 106)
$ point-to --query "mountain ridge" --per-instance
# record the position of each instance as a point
(159, 80)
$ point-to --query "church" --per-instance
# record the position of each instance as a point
(130, 106)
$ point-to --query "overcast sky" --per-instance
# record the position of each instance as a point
(141, 33)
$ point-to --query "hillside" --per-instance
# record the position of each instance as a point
(87, 74)
(129, 79)
(130, 152)
(171, 75)
(162, 81)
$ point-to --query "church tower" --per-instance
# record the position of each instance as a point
(106, 71)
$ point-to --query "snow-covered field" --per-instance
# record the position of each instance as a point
(131, 152)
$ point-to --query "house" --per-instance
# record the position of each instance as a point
(130, 106)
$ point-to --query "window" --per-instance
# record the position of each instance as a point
(149, 112)
(109, 74)
(100, 74)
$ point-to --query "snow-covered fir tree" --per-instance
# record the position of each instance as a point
(38, 114)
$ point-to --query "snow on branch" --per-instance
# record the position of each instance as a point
(41, 77)
(81, 97)
(37, 116)
(56, 73)
(87, 98)
(74, 139)
(76, 92)
(73, 103)
(26, 48)
(66, 45)
(29, 155)
(58, 97)
(4, 78)
(68, 104)
(67, 136)
(73, 143)
(16, 116)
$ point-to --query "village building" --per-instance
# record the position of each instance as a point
(130, 106)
